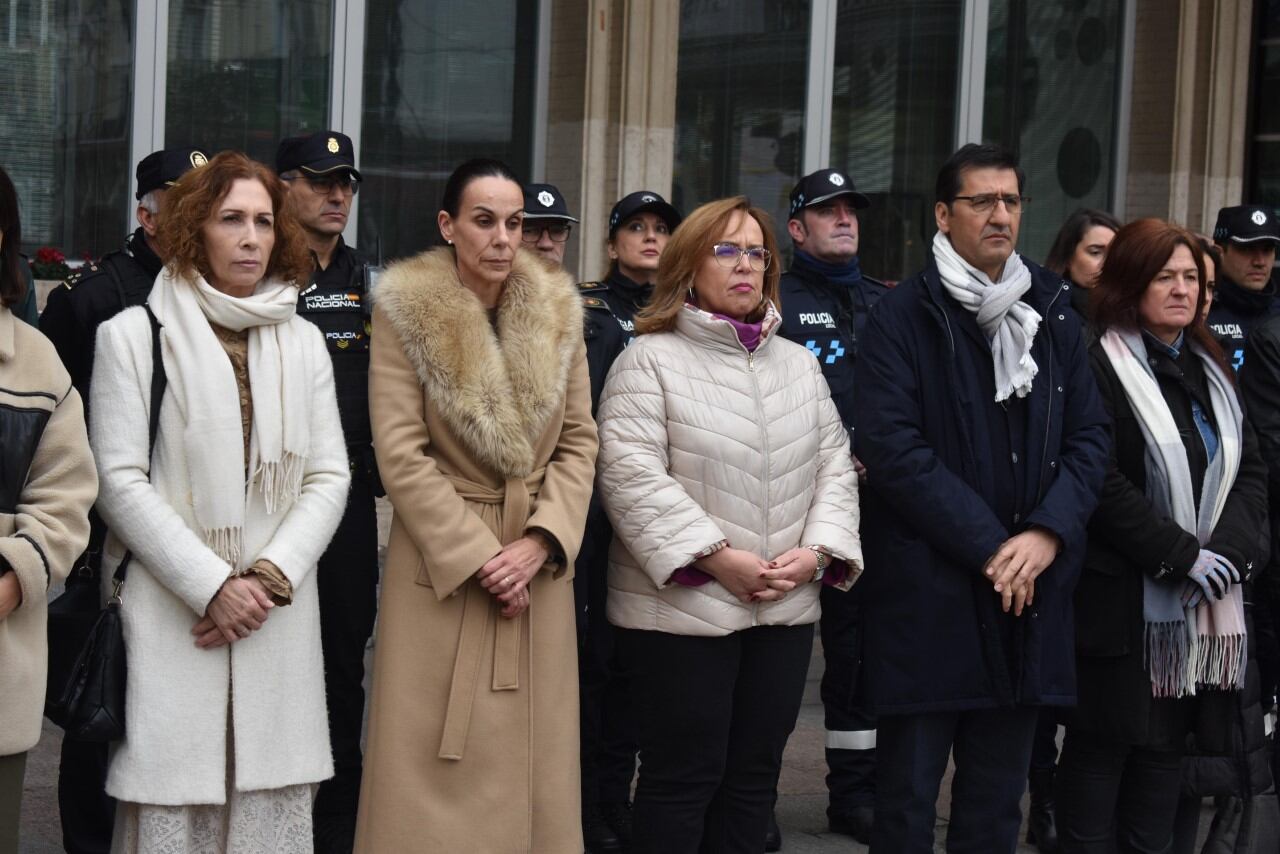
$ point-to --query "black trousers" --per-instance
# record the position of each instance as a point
(714, 716)
(1044, 750)
(992, 749)
(851, 730)
(1115, 797)
(347, 582)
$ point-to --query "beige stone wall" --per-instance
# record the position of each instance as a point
(611, 111)
(1189, 109)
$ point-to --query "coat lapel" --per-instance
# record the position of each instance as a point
(497, 392)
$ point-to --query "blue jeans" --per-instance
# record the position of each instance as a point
(992, 750)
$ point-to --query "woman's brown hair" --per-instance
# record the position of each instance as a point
(192, 201)
(690, 246)
(1136, 255)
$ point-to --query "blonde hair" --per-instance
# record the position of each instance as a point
(686, 251)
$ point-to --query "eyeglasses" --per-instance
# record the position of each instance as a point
(728, 255)
(532, 231)
(323, 185)
(986, 201)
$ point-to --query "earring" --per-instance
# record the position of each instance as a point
(693, 298)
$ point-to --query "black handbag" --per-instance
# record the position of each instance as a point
(88, 701)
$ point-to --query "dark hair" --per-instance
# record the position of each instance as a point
(1136, 255)
(973, 156)
(1071, 233)
(1211, 249)
(191, 201)
(478, 167)
(13, 282)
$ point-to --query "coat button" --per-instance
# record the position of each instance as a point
(1053, 464)
(1015, 456)
(1059, 389)
(1062, 317)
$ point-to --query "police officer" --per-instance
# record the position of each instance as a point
(825, 300)
(547, 223)
(322, 178)
(1246, 294)
(89, 297)
(639, 226)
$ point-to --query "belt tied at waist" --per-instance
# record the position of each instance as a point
(480, 608)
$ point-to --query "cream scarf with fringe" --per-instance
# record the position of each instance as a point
(204, 388)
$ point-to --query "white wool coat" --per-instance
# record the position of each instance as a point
(701, 441)
(175, 747)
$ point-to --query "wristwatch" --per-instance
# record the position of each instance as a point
(824, 560)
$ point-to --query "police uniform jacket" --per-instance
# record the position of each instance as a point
(336, 301)
(1234, 313)
(827, 318)
(93, 295)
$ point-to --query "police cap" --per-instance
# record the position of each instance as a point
(318, 154)
(544, 201)
(640, 202)
(824, 185)
(1246, 224)
(160, 169)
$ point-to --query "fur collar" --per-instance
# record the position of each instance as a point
(496, 392)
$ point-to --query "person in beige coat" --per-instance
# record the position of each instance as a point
(481, 414)
(726, 473)
(47, 484)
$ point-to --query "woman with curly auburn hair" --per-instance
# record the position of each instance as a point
(225, 733)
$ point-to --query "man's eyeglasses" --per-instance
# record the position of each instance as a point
(728, 255)
(985, 202)
(323, 185)
(532, 231)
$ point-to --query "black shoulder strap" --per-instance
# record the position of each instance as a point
(159, 379)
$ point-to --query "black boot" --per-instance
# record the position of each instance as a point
(1042, 829)
(852, 821)
(597, 834)
(773, 836)
(618, 817)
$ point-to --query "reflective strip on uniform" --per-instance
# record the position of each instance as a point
(851, 739)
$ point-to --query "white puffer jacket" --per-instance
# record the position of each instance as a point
(701, 441)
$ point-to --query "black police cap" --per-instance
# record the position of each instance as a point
(318, 154)
(1246, 224)
(160, 169)
(544, 201)
(823, 185)
(640, 202)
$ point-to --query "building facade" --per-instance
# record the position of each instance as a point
(1164, 108)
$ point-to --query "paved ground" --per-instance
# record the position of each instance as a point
(801, 789)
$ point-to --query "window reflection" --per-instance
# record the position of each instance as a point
(740, 100)
(67, 71)
(893, 120)
(245, 73)
(444, 82)
(1052, 72)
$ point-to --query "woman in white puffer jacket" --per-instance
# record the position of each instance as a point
(727, 474)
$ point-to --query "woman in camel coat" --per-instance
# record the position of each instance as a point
(480, 406)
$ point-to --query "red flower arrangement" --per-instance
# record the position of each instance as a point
(49, 263)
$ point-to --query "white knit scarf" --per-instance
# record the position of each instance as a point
(1205, 646)
(204, 387)
(1009, 324)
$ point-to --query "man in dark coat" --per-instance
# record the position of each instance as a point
(825, 302)
(321, 174)
(985, 444)
(90, 297)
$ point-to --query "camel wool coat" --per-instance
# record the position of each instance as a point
(483, 431)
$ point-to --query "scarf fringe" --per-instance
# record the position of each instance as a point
(1180, 662)
(281, 480)
(227, 543)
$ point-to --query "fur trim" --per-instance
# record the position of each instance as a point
(496, 392)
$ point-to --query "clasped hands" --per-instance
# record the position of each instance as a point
(753, 579)
(240, 607)
(507, 574)
(1016, 565)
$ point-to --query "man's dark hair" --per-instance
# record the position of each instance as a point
(13, 284)
(973, 156)
(1070, 235)
(479, 167)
